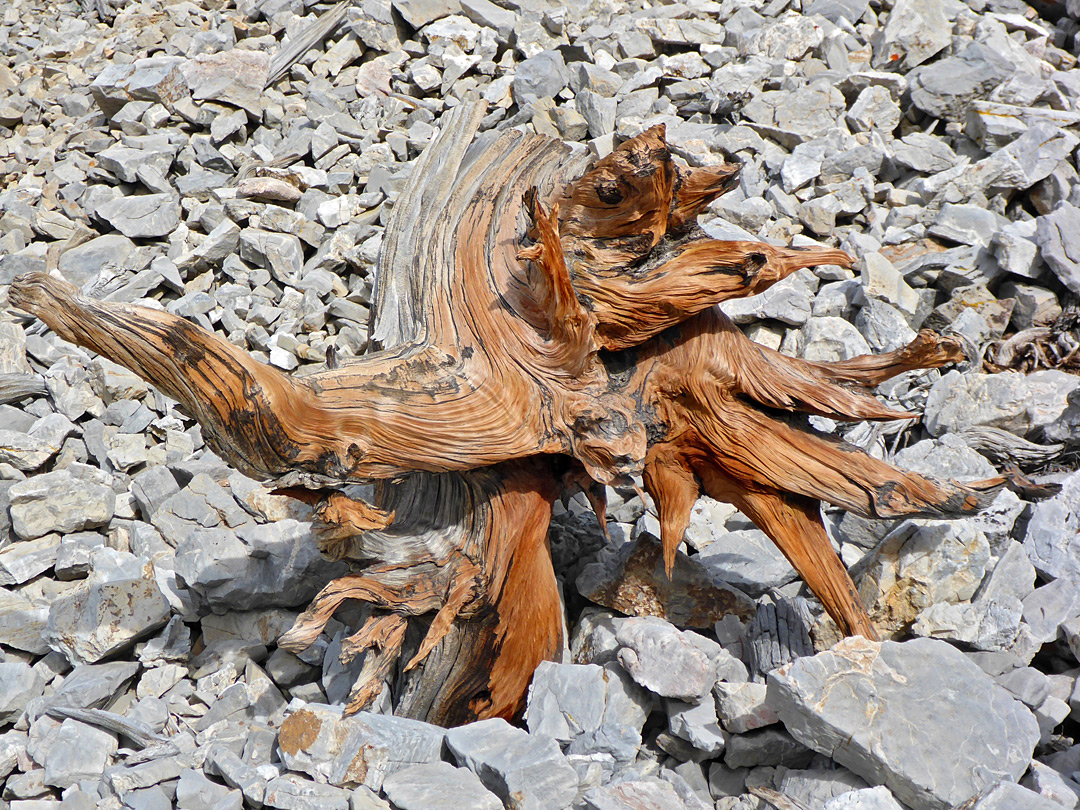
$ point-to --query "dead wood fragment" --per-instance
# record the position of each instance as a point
(17, 385)
(544, 324)
(312, 36)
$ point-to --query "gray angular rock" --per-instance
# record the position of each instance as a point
(59, 502)
(144, 217)
(742, 707)
(1013, 575)
(1016, 250)
(86, 687)
(128, 777)
(195, 792)
(874, 109)
(1008, 795)
(598, 112)
(21, 562)
(828, 339)
(869, 706)
(280, 253)
(924, 153)
(19, 684)
(1053, 533)
(1057, 236)
(884, 326)
(815, 787)
(918, 564)
(788, 300)
(22, 622)
(125, 162)
(747, 559)
(697, 724)
(82, 263)
(78, 751)
(652, 793)
(589, 708)
(991, 624)
(661, 658)
(292, 792)
(526, 771)
(235, 77)
(1048, 607)
(833, 10)
(958, 401)
(805, 112)
(439, 784)
(914, 31)
(1027, 685)
(158, 79)
(540, 76)
(841, 166)
(257, 566)
(153, 487)
(967, 224)
(945, 458)
(107, 613)
(1051, 784)
(364, 748)
(945, 88)
(770, 746)
(419, 13)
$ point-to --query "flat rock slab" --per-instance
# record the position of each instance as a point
(362, 749)
(1053, 534)
(144, 217)
(441, 785)
(59, 502)
(526, 771)
(1010, 796)
(155, 79)
(650, 793)
(664, 660)
(103, 617)
(887, 711)
(235, 77)
(592, 708)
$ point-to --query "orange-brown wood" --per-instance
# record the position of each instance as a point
(543, 323)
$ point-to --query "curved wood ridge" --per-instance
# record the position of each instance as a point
(546, 323)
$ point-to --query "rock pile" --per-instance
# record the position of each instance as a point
(143, 584)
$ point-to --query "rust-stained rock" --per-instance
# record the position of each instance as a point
(921, 563)
(362, 749)
(632, 580)
(268, 188)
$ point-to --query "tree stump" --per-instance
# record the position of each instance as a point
(544, 321)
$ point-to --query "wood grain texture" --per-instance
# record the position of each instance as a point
(542, 322)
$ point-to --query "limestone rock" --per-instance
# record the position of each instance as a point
(439, 784)
(524, 770)
(362, 749)
(59, 502)
(664, 660)
(881, 709)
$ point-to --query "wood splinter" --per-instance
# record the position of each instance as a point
(543, 321)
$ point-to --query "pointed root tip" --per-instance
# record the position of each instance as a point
(295, 640)
(815, 256)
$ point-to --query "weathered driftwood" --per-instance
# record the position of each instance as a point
(546, 322)
(310, 37)
(16, 385)
(777, 635)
